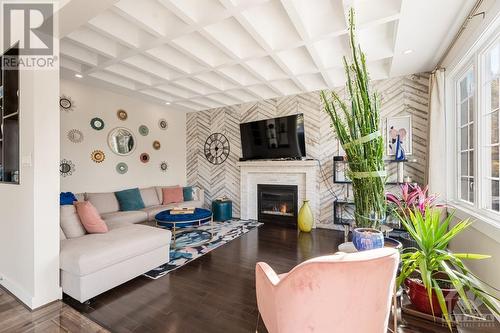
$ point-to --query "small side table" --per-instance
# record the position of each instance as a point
(222, 210)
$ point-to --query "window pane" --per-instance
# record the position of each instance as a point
(464, 144)
(494, 127)
(494, 162)
(495, 201)
(471, 109)
(463, 89)
(464, 185)
(471, 163)
(463, 113)
(471, 190)
(464, 169)
(494, 94)
(471, 136)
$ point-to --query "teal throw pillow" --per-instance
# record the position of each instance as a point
(130, 199)
(188, 193)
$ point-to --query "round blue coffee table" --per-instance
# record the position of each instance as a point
(183, 223)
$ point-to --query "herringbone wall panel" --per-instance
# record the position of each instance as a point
(399, 96)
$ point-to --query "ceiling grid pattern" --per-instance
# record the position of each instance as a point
(200, 55)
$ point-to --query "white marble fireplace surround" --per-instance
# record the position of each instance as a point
(303, 174)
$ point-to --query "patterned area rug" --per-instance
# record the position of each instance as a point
(187, 251)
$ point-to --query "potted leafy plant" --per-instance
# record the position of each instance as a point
(357, 126)
(435, 276)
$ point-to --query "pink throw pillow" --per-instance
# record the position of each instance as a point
(90, 218)
(172, 195)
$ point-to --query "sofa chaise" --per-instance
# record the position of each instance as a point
(94, 263)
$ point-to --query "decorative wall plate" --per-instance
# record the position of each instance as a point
(143, 130)
(144, 157)
(122, 114)
(75, 136)
(97, 123)
(66, 103)
(164, 166)
(122, 168)
(163, 124)
(98, 156)
(66, 167)
(156, 145)
(217, 148)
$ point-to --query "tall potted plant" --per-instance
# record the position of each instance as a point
(357, 126)
(436, 277)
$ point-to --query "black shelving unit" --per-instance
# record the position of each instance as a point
(9, 122)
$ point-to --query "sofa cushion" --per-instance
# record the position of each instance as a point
(172, 195)
(104, 202)
(61, 234)
(90, 218)
(66, 198)
(70, 222)
(150, 197)
(89, 254)
(187, 193)
(159, 192)
(130, 199)
(131, 217)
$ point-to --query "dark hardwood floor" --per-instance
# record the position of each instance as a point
(215, 293)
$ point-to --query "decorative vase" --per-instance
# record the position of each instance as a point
(367, 239)
(305, 218)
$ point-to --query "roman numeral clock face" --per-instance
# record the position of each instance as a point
(217, 148)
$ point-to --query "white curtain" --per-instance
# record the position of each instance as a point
(436, 166)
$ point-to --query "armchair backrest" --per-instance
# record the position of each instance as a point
(337, 293)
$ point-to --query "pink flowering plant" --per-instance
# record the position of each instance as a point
(412, 197)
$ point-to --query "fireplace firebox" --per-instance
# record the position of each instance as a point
(277, 204)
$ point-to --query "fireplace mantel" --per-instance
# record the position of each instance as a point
(302, 173)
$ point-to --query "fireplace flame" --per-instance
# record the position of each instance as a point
(283, 208)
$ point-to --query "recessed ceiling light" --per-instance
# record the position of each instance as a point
(407, 51)
(168, 103)
(78, 75)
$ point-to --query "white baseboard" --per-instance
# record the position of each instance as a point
(32, 302)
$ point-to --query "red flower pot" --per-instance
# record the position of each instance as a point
(419, 297)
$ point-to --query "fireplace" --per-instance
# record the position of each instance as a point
(277, 204)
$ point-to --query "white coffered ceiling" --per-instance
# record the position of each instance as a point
(202, 54)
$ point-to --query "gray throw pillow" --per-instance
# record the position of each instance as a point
(70, 222)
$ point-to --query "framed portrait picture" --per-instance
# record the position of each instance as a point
(399, 128)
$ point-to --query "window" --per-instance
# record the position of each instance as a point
(465, 108)
(491, 86)
(475, 114)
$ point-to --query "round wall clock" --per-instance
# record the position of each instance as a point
(98, 156)
(144, 157)
(122, 114)
(97, 123)
(122, 168)
(156, 145)
(66, 167)
(75, 136)
(164, 166)
(163, 124)
(66, 104)
(143, 130)
(217, 148)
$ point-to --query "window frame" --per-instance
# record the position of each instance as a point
(474, 58)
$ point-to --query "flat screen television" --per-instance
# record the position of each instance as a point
(277, 138)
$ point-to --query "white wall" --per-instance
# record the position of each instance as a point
(89, 176)
(29, 212)
(484, 236)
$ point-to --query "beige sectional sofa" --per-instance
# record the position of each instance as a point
(94, 263)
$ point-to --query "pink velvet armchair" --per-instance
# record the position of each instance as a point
(336, 293)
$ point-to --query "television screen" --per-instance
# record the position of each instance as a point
(273, 138)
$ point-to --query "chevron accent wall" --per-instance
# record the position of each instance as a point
(406, 95)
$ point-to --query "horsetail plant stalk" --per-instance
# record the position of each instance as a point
(356, 124)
